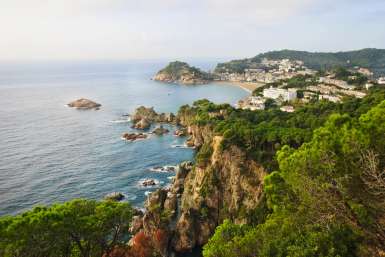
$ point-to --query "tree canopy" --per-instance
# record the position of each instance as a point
(76, 228)
(325, 199)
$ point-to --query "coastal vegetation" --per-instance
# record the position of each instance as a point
(324, 199)
(324, 184)
(79, 227)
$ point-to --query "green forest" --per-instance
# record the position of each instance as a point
(325, 198)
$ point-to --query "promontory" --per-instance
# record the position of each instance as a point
(181, 72)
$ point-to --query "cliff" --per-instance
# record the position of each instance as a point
(181, 72)
(223, 183)
(226, 186)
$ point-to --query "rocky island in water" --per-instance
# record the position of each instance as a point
(84, 104)
(181, 72)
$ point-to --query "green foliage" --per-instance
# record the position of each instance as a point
(279, 196)
(370, 58)
(300, 81)
(259, 214)
(353, 78)
(262, 133)
(237, 66)
(204, 154)
(204, 212)
(320, 203)
(176, 69)
(76, 228)
(227, 241)
(270, 104)
(361, 212)
(279, 237)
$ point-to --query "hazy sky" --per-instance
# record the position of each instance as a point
(126, 29)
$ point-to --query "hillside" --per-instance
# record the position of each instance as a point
(371, 58)
(181, 72)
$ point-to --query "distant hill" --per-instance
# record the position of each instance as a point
(181, 72)
(371, 58)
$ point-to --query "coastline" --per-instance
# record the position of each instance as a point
(248, 86)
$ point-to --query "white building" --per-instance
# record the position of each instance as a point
(285, 94)
(339, 83)
(365, 72)
(252, 103)
(381, 81)
(330, 98)
(287, 108)
(368, 85)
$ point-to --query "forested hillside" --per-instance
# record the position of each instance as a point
(371, 58)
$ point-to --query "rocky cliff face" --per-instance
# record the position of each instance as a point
(228, 186)
(223, 184)
(180, 72)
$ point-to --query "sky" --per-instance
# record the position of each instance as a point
(162, 29)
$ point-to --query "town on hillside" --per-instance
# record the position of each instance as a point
(289, 83)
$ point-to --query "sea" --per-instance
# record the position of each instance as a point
(51, 153)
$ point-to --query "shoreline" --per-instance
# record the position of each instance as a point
(248, 86)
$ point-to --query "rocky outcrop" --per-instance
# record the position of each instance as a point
(181, 72)
(228, 187)
(182, 132)
(144, 117)
(162, 208)
(114, 196)
(133, 136)
(144, 113)
(84, 104)
(142, 124)
(148, 182)
(224, 184)
(160, 131)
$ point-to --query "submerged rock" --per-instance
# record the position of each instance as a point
(85, 104)
(114, 196)
(149, 182)
(190, 142)
(180, 132)
(160, 131)
(163, 169)
(133, 136)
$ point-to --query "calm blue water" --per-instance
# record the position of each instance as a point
(52, 153)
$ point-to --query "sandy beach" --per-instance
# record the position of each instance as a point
(248, 86)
